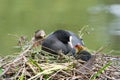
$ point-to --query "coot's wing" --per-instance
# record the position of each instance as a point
(53, 45)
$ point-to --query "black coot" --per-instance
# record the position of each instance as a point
(66, 42)
(61, 40)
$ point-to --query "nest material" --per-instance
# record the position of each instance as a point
(35, 64)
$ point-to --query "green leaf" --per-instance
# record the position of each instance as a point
(36, 64)
(1, 70)
(21, 77)
(100, 70)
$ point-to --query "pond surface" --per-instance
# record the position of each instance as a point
(23, 17)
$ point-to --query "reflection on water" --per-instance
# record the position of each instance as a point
(115, 9)
(115, 27)
(112, 24)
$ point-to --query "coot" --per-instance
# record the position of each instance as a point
(61, 40)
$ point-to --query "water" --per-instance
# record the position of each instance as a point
(23, 17)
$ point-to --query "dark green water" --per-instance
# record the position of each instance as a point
(23, 17)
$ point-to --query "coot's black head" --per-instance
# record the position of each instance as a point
(83, 55)
(63, 36)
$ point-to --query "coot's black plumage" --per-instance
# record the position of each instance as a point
(61, 40)
(75, 39)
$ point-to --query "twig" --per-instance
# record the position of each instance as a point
(101, 49)
(54, 74)
(81, 73)
(18, 73)
(65, 73)
(31, 67)
(48, 71)
(88, 65)
(20, 56)
(5, 71)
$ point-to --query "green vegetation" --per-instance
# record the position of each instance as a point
(36, 64)
(1, 70)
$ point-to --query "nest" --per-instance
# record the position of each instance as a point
(34, 64)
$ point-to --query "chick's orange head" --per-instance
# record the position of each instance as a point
(79, 47)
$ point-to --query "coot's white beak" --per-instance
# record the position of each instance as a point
(70, 42)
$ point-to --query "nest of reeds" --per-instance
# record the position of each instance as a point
(34, 64)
